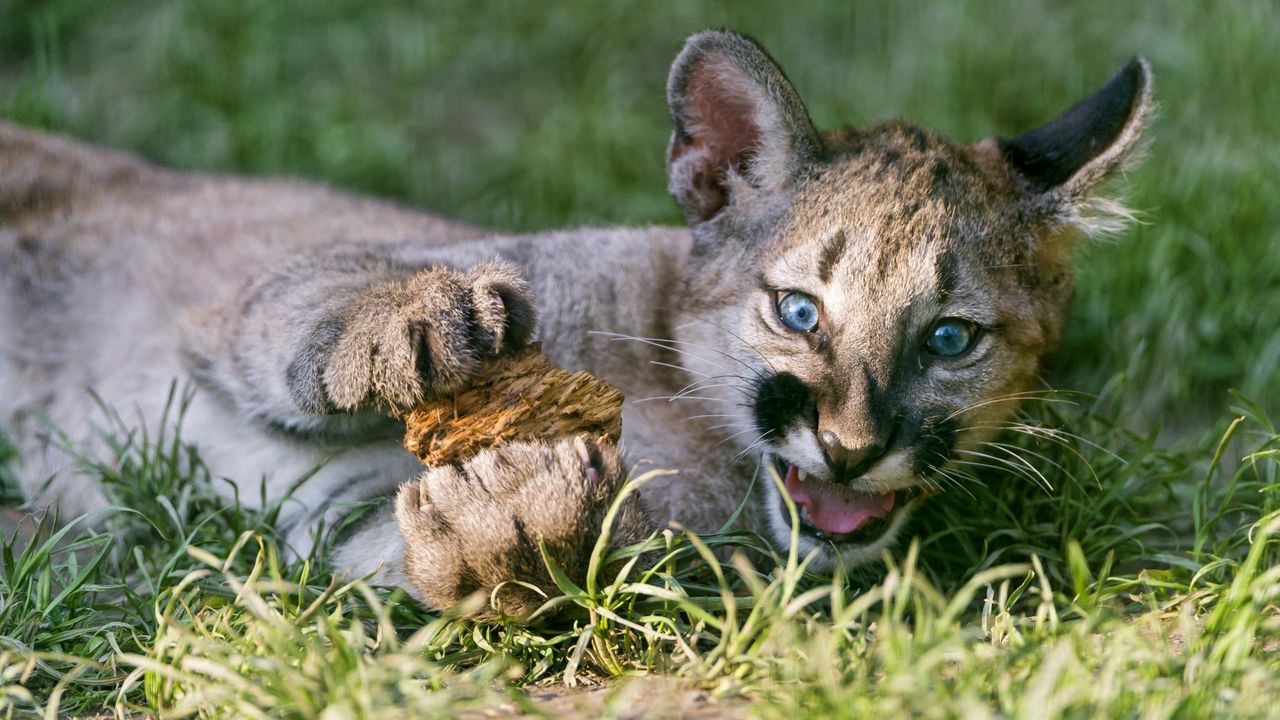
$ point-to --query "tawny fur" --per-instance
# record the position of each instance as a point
(303, 314)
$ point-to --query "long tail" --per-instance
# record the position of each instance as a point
(40, 172)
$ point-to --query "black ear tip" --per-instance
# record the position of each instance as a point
(1049, 155)
(1139, 65)
(1135, 75)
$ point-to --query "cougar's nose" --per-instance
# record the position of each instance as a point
(851, 462)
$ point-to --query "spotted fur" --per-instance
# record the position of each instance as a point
(303, 314)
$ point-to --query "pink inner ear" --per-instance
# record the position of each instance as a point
(722, 132)
(722, 114)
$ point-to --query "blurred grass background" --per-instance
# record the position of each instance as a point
(546, 115)
(525, 116)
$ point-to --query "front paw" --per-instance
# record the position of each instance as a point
(471, 527)
(426, 336)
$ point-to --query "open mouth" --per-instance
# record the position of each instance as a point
(839, 514)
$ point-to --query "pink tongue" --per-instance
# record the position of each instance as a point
(834, 509)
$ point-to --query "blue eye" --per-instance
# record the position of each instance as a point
(951, 337)
(798, 312)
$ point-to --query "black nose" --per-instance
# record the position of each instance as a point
(850, 462)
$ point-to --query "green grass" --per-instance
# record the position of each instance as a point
(1144, 584)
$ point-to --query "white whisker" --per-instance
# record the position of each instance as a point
(670, 398)
(739, 338)
(1036, 395)
(681, 368)
(763, 438)
(666, 344)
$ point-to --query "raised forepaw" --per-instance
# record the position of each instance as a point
(475, 526)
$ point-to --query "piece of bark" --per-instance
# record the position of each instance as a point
(515, 397)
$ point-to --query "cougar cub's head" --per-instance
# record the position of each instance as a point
(871, 301)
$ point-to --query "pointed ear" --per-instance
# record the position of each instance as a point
(737, 118)
(1062, 163)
